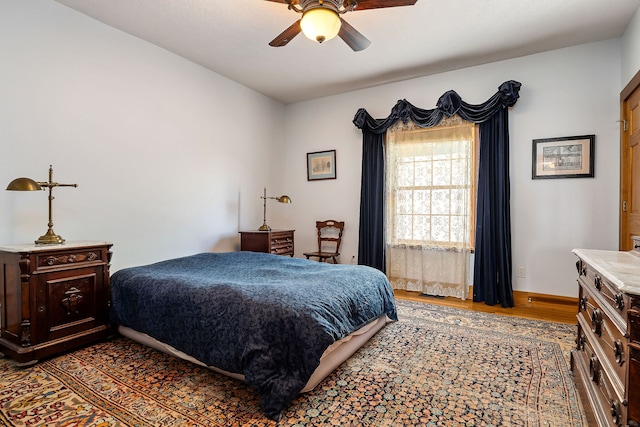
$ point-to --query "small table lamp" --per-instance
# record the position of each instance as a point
(28, 184)
(281, 199)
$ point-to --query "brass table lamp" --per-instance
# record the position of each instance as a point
(281, 199)
(28, 184)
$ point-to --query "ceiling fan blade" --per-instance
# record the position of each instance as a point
(352, 37)
(286, 36)
(377, 4)
(283, 1)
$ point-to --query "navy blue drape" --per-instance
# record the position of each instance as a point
(371, 193)
(492, 264)
(492, 267)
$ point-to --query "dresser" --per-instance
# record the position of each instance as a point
(53, 298)
(279, 242)
(606, 358)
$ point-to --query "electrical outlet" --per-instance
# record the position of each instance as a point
(521, 272)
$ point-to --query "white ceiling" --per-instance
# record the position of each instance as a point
(231, 37)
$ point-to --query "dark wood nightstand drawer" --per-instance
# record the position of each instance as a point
(71, 258)
(282, 243)
(69, 303)
(278, 242)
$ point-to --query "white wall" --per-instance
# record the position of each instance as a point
(566, 92)
(631, 49)
(159, 147)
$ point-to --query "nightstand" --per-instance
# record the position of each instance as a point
(279, 242)
(53, 298)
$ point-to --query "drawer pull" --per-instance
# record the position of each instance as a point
(597, 281)
(580, 340)
(615, 412)
(582, 270)
(596, 322)
(73, 300)
(583, 303)
(594, 368)
(618, 351)
(619, 300)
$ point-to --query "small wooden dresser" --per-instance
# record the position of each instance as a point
(53, 298)
(278, 242)
(606, 358)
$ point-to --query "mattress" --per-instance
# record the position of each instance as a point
(332, 357)
(265, 317)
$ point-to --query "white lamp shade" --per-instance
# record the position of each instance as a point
(320, 24)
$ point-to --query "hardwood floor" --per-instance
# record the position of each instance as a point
(528, 305)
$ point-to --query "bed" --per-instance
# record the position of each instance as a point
(280, 324)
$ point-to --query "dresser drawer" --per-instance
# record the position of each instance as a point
(67, 259)
(282, 243)
(615, 372)
(611, 342)
(277, 242)
(606, 404)
(613, 300)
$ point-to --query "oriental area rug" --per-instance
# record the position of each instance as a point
(436, 366)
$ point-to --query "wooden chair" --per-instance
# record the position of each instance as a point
(329, 237)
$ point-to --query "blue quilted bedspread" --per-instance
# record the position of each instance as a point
(268, 317)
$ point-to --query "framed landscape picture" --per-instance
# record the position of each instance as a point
(565, 157)
(321, 165)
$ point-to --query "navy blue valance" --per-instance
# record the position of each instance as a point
(450, 103)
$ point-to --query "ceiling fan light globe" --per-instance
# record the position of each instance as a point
(320, 24)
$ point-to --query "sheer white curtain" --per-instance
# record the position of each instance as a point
(429, 212)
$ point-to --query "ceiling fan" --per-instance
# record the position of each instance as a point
(321, 20)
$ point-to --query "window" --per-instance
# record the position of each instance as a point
(431, 179)
(430, 206)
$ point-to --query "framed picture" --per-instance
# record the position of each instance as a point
(566, 157)
(321, 165)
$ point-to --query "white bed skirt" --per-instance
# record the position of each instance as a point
(332, 357)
